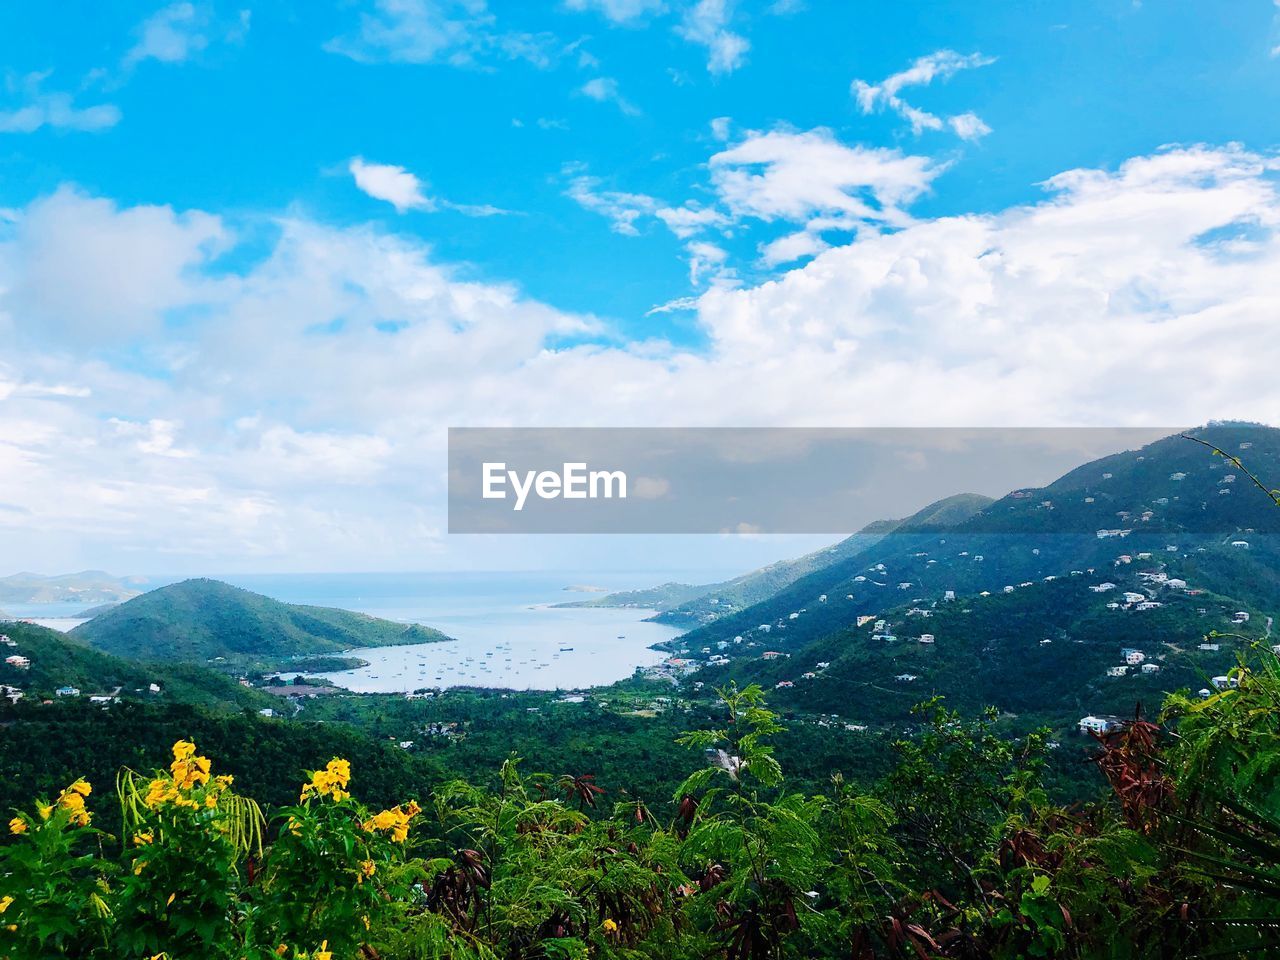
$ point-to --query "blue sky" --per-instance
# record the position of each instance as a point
(264, 115)
(690, 212)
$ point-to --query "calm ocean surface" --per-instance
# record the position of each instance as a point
(507, 634)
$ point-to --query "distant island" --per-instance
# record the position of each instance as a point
(88, 587)
(585, 588)
(207, 621)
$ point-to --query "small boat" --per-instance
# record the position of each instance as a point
(566, 649)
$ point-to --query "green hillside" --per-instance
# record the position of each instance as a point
(682, 604)
(992, 587)
(56, 661)
(1032, 534)
(205, 620)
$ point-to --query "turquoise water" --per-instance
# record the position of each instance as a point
(507, 634)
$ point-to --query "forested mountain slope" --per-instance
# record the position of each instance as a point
(202, 620)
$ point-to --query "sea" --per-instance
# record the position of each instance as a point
(507, 631)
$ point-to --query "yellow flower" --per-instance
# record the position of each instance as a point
(159, 791)
(412, 808)
(367, 868)
(330, 782)
(4, 903)
(609, 926)
(81, 787)
(282, 950)
(17, 826)
(170, 900)
(44, 809)
(159, 956)
(323, 953)
(142, 839)
(74, 803)
(183, 750)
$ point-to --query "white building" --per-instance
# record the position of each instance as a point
(1092, 724)
(1151, 668)
(926, 638)
(18, 661)
(1117, 671)
(67, 692)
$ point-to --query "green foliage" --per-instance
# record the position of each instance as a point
(958, 852)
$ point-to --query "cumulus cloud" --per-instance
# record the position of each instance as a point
(941, 65)
(396, 185)
(298, 409)
(605, 90)
(706, 22)
(39, 108)
(405, 191)
(79, 266)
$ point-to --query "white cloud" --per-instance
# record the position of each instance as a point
(792, 175)
(619, 11)
(605, 90)
(620, 208)
(78, 266)
(51, 109)
(460, 32)
(968, 126)
(792, 247)
(706, 22)
(690, 219)
(941, 65)
(404, 191)
(310, 391)
(707, 264)
(396, 185)
(170, 35)
(808, 178)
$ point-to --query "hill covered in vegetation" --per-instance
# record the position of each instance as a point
(53, 662)
(205, 620)
(1030, 601)
(682, 604)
